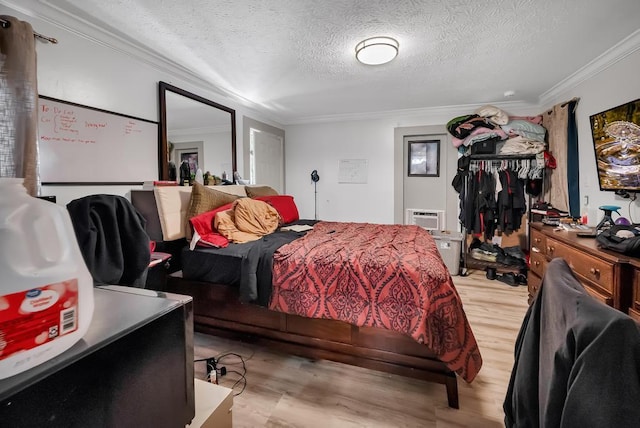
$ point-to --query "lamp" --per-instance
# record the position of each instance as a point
(377, 50)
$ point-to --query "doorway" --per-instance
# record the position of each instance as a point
(430, 186)
(266, 159)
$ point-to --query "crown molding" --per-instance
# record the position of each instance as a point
(621, 50)
(48, 12)
(442, 111)
(73, 23)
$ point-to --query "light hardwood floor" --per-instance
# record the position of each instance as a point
(288, 391)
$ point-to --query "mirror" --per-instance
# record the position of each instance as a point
(195, 133)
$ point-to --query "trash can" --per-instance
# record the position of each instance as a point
(449, 244)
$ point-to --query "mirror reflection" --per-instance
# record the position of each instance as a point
(196, 133)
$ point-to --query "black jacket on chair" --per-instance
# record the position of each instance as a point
(112, 238)
(577, 361)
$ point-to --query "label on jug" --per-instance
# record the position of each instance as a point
(36, 316)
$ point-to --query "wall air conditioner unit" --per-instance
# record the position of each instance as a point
(428, 219)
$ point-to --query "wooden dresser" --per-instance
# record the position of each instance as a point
(613, 278)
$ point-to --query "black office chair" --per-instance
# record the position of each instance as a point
(112, 238)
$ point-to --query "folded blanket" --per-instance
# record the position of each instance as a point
(248, 220)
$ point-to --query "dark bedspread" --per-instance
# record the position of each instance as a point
(247, 265)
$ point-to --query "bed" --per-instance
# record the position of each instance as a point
(335, 292)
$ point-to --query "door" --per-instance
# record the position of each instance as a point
(266, 159)
(424, 181)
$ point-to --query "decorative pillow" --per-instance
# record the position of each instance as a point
(257, 191)
(204, 232)
(285, 206)
(205, 199)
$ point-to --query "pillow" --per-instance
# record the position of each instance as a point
(257, 191)
(525, 129)
(284, 205)
(493, 114)
(205, 199)
(204, 233)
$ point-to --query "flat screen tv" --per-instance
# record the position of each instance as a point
(616, 141)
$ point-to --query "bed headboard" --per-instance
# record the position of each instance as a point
(172, 203)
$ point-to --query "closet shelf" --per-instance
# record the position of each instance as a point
(500, 157)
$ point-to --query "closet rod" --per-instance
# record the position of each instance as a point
(6, 24)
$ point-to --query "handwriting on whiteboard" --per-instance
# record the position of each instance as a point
(63, 125)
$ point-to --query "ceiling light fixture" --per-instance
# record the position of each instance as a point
(377, 50)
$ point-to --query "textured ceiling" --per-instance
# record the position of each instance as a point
(296, 57)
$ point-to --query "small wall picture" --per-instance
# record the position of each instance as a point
(192, 159)
(424, 158)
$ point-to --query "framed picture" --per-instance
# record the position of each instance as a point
(192, 159)
(424, 158)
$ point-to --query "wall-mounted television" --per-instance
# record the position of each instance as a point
(616, 142)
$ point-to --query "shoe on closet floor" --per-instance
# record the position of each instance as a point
(485, 256)
(508, 278)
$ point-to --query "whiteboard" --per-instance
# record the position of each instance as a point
(85, 145)
(352, 171)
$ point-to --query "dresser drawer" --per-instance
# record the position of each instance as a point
(634, 314)
(636, 289)
(593, 269)
(533, 284)
(538, 242)
(607, 300)
(538, 263)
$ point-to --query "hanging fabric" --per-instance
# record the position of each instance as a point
(18, 103)
(573, 161)
(556, 121)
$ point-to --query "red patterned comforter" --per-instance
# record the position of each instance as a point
(387, 276)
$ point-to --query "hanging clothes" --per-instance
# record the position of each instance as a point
(492, 194)
(480, 204)
(511, 201)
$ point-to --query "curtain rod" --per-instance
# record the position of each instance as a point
(574, 99)
(6, 24)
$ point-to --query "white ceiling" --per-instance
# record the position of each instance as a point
(296, 58)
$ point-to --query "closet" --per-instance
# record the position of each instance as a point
(495, 200)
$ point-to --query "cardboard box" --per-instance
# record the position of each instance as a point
(213, 406)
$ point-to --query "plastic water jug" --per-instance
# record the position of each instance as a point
(46, 290)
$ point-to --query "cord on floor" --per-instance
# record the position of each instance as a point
(215, 370)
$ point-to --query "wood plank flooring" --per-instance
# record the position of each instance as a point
(288, 391)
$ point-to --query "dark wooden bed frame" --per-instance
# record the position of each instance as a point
(218, 311)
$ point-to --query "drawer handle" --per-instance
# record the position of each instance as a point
(550, 249)
(594, 271)
(536, 263)
(537, 240)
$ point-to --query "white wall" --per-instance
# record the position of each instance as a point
(615, 85)
(321, 146)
